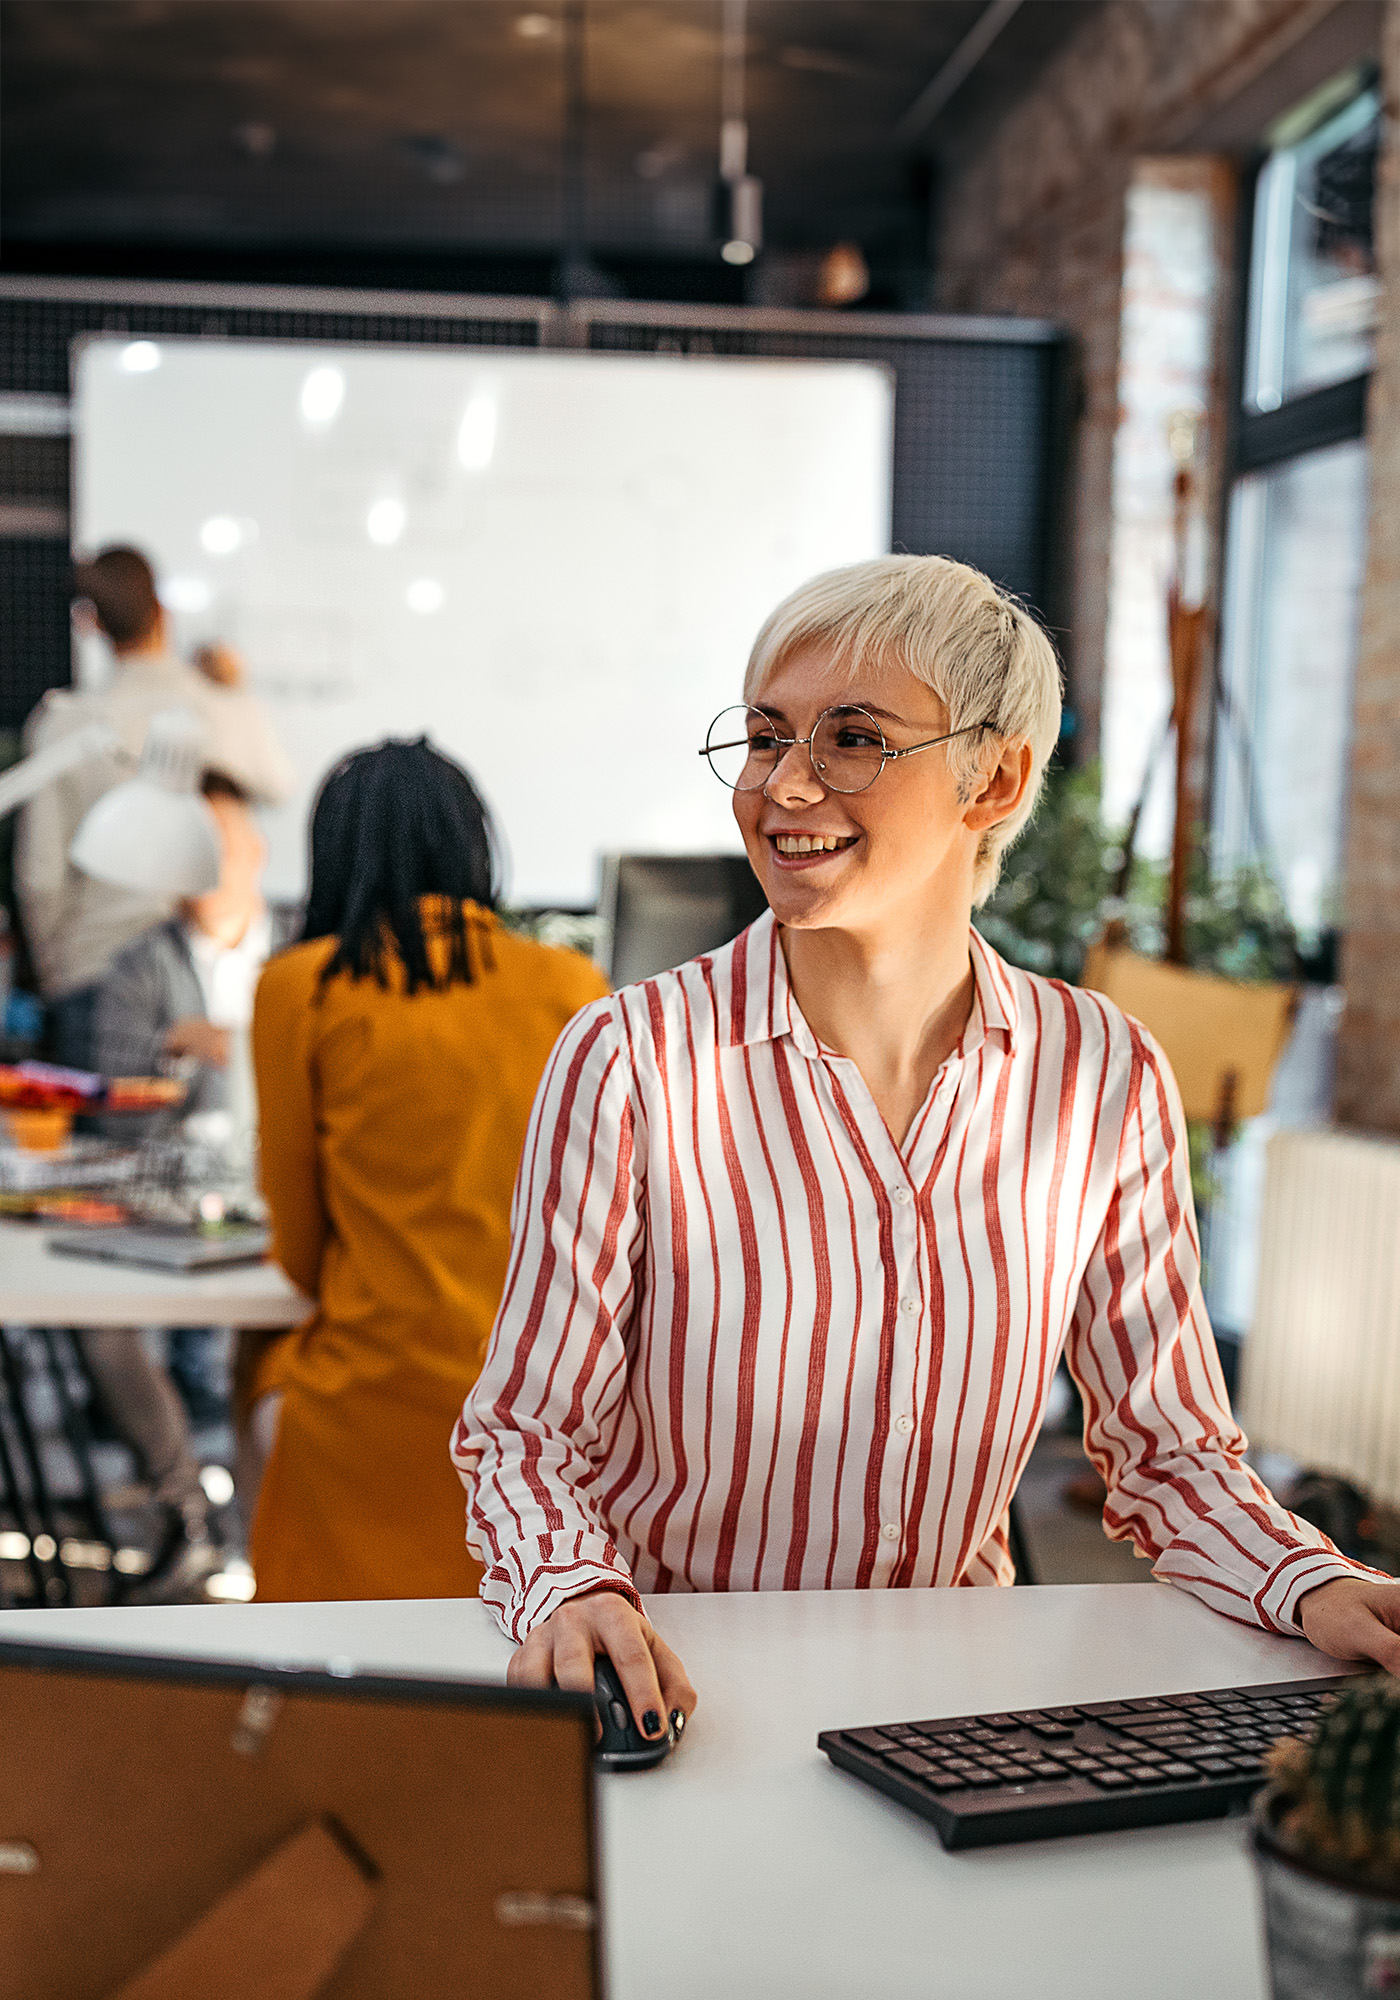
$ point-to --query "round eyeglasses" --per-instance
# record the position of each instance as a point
(847, 748)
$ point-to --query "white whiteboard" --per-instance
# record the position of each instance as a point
(552, 564)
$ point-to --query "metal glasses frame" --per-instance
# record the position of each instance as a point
(786, 743)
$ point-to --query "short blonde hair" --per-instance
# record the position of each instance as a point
(981, 652)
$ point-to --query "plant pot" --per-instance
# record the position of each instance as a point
(1222, 1037)
(1328, 1939)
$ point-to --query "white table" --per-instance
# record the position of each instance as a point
(38, 1288)
(41, 1289)
(747, 1866)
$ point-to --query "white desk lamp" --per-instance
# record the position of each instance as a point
(151, 833)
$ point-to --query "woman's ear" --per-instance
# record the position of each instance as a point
(997, 792)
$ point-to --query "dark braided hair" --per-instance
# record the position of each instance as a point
(389, 826)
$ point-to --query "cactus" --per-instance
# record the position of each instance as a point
(1335, 1800)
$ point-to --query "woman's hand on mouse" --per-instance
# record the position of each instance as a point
(561, 1650)
(1354, 1618)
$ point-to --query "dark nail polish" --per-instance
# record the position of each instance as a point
(651, 1723)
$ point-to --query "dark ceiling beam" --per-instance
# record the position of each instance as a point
(955, 71)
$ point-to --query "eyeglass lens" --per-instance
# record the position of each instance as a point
(847, 749)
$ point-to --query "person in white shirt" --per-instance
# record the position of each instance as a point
(180, 994)
(74, 925)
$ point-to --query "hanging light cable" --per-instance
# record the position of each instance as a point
(741, 196)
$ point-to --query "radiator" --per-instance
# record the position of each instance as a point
(1320, 1375)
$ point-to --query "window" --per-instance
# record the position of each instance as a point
(1295, 554)
(1297, 544)
(1313, 285)
(1297, 534)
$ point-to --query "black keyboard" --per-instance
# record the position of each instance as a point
(1093, 1768)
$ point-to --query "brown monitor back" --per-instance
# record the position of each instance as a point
(138, 1796)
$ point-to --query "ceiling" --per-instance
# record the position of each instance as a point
(241, 131)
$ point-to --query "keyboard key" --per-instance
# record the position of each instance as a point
(1064, 1714)
(867, 1739)
(1001, 1722)
(912, 1762)
(1176, 1771)
(1146, 1774)
(1216, 1767)
(1050, 1731)
(945, 1781)
(1043, 1769)
(1110, 1781)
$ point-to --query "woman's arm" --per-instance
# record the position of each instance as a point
(290, 1166)
(536, 1430)
(1157, 1419)
(537, 1427)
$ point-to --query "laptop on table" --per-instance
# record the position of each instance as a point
(180, 1251)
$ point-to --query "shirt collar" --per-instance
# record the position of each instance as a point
(755, 1000)
(255, 943)
(994, 1009)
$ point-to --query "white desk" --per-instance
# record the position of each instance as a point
(747, 1867)
(38, 1288)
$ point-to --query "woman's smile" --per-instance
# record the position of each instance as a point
(793, 849)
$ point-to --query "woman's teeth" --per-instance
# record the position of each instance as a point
(811, 843)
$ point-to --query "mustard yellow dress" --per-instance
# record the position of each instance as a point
(391, 1128)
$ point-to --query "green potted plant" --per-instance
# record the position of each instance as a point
(1327, 1847)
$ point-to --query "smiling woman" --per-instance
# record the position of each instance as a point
(804, 1227)
(978, 653)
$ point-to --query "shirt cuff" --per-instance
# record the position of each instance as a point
(523, 1598)
(1277, 1601)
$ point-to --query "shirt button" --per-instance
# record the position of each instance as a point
(890, 1531)
(904, 1425)
(909, 1307)
(902, 1196)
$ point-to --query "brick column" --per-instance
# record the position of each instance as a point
(1368, 1067)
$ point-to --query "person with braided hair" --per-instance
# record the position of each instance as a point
(397, 1050)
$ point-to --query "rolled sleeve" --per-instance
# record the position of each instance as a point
(536, 1429)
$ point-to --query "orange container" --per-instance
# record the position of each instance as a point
(38, 1131)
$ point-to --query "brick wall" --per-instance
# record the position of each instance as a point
(1032, 222)
(1368, 1064)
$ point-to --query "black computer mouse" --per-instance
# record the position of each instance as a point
(622, 1746)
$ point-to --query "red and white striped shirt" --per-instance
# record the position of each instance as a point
(749, 1343)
